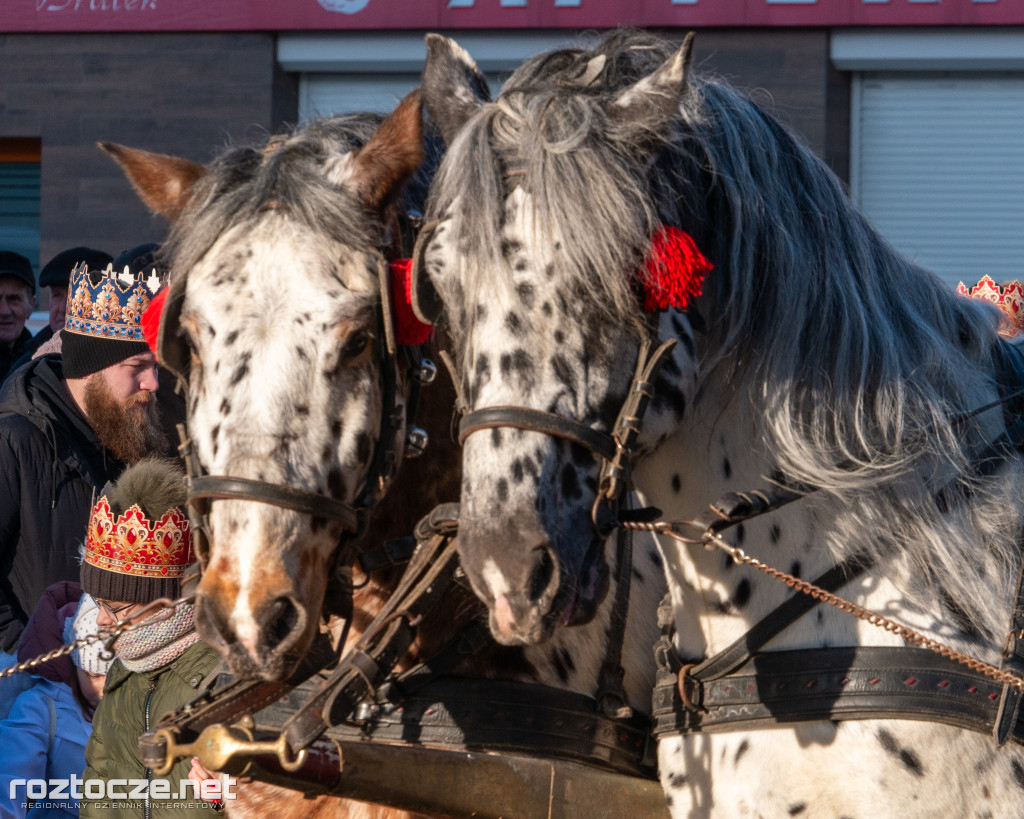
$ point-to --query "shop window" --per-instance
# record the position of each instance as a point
(19, 196)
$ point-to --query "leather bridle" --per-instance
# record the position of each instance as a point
(353, 517)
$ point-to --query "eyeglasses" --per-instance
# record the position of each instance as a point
(112, 612)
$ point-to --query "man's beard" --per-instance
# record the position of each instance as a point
(130, 429)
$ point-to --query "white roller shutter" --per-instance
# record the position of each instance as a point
(938, 166)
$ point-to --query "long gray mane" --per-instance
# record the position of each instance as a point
(288, 172)
(856, 359)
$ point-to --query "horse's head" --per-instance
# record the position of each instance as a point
(275, 255)
(540, 218)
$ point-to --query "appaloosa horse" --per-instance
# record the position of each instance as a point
(818, 367)
(275, 251)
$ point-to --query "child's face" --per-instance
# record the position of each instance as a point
(91, 685)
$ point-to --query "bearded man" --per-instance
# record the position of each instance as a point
(69, 423)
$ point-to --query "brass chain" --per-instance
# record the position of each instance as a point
(710, 539)
(151, 613)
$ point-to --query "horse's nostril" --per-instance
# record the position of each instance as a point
(279, 621)
(211, 623)
(542, 575)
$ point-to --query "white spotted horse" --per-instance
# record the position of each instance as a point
(831, 414)
(275, 253)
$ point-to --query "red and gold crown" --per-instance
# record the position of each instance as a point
(130, 545)
(1008, 297)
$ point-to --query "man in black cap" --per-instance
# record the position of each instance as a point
(55, 275)
(17, 297)
(68, 424)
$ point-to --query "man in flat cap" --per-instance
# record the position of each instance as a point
(55, 275)
(17, 297)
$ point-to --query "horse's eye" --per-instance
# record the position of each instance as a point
(356, 344)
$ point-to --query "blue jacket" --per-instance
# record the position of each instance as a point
(43, 737)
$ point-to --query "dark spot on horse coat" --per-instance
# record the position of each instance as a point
(744, 747)
(496, 437)
(336, 429)
(526, 295)
(741, 534)
(509, 247)
(677, 484)
(301, 409)
(545, 308)
(742, 595)
(502, 490)
(241, 370)
(225, 406)
(797, 809)
(514, 325)
(677, 780)
(559, 337)
(773, 533)
(517, 471)
(726, 468)
(1018, 773)
(364, 447)
(481, 312)
(909, 759)
(336, 483)
(563, 371)
(795, 568)
(231, 338)
(300, 352)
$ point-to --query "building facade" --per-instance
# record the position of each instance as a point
(917, 104)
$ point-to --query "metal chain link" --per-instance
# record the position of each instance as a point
(151, 613)
(710, 539)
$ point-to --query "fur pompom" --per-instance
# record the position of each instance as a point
(155, 484)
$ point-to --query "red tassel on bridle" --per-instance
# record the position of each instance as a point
(674, 271)
(409, 330)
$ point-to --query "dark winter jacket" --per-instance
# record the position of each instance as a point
(50, 463)
(133, 702)
(33, 344)
(8, 355)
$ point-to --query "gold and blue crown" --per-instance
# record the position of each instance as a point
(106, 304)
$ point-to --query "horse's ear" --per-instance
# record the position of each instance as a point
(393, 154)
(453, 87)
(651, 104)
(164, 183)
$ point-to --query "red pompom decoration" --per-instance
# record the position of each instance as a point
(673, 271)
(151, 318)
(409, 330)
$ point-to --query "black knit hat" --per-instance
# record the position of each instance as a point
(57, 271)
(138, 544)
(94, 339)
(14, 264)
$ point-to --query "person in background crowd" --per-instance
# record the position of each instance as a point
(17, 297)
(55, 275)
(45, 733)
(69, 424)
(137, 549)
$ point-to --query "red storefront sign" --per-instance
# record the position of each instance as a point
(325, 15)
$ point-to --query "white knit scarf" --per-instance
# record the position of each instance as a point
(156, 644)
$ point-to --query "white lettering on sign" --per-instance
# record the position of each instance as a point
(344, 6)
(95, 5)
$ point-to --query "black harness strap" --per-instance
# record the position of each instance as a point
(740, 687)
